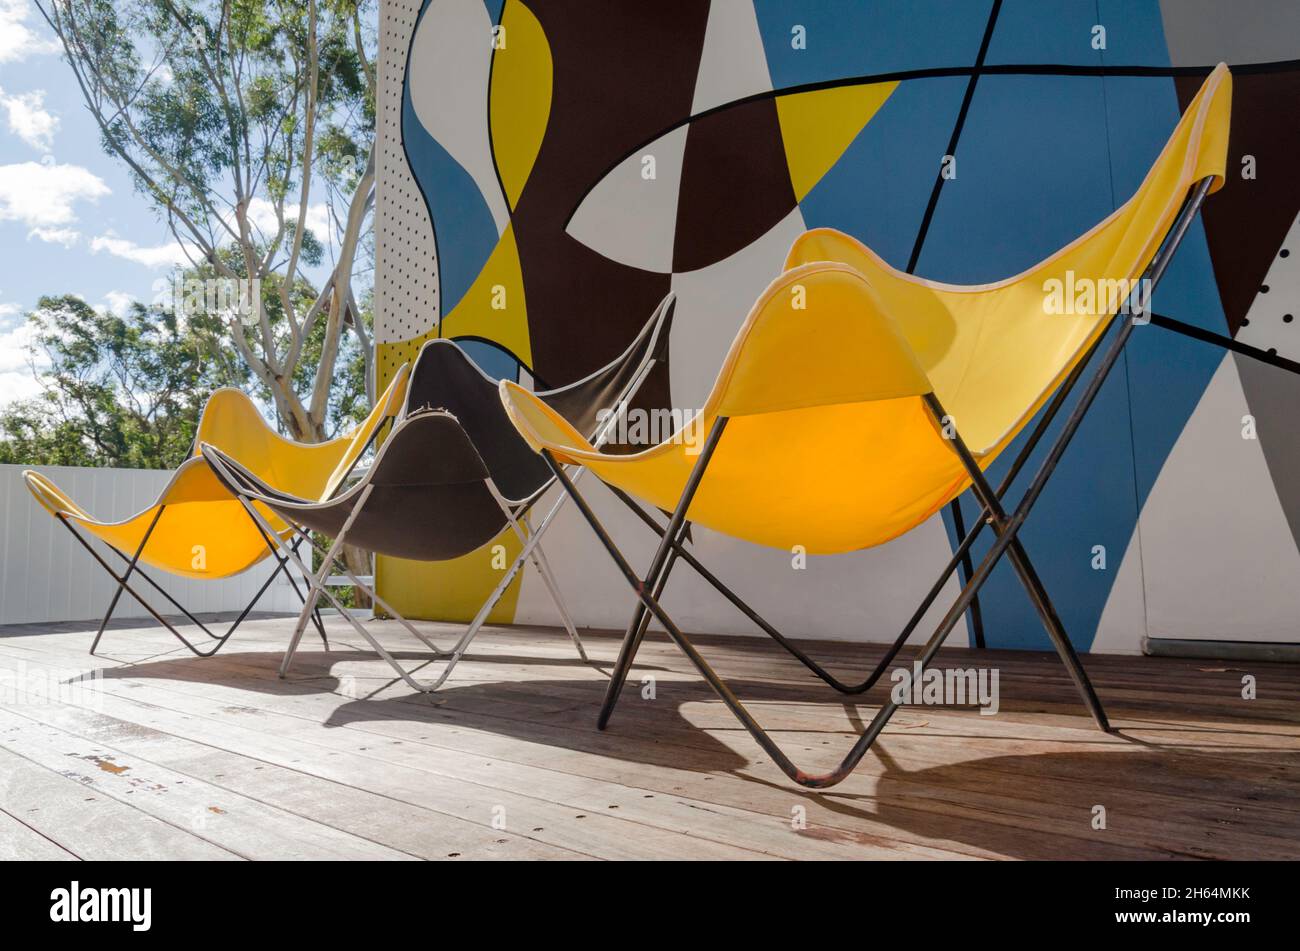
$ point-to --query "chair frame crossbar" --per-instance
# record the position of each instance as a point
(1006, 525)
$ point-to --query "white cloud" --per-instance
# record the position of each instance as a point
(161, 255)
(262, 214)
(18, 39)
(13, 348)
(64, 236)
(42, 195)
(17, 382)
(7, 312)
(119, 302)
(28, 119)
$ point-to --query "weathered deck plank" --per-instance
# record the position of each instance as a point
(353, 760)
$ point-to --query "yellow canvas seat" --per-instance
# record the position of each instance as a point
(858, 400)
(196, 528)
(855, 469)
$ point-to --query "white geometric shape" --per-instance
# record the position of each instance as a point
(714, 301)
(1266, 326)
(1217, 552)
(733, 64)
(451, 63)
(1123, 622)
(633, 219)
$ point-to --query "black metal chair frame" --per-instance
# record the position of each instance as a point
(133, 567)
(1006, 526)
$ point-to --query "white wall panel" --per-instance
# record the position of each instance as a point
(46, 576)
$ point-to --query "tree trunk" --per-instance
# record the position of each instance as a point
(358, 561)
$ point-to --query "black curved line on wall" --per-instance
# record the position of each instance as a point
(939, 72)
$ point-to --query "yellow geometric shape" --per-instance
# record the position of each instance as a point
(520, 97)
(451, 590)
(818, 126)
(493, 308)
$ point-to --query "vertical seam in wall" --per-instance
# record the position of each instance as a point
(1128, 384)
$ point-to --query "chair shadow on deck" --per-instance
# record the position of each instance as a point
(1163, 799)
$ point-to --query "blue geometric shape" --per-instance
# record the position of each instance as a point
(848, 38)
(1028, 183)
(1135, 33)
(1032, 174)
(1105, 477)
(879, 188)
(492, 359)
(494, 8)
(1059, 33)
(464, 231)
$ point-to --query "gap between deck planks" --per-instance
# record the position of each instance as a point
(536, 719)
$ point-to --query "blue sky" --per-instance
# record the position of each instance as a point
(70, 219)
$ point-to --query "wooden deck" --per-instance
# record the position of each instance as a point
(168, 756)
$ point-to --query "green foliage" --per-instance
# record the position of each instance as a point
(117, 390)
(238, 120)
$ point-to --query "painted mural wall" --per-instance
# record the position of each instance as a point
(549, 169)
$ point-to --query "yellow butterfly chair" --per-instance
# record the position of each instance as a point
(858, 400)
(196, 528)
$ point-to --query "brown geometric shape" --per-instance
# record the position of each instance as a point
(1247, 220)
(622, 75)
(735, 183)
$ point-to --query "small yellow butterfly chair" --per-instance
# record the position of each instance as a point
(196, 528)
(858, 400)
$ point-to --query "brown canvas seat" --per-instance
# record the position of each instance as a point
(452, 476)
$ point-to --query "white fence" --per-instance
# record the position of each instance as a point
(45, 575)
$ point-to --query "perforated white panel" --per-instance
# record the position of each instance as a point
(406, 261)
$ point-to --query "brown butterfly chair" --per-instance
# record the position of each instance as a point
(450, 478)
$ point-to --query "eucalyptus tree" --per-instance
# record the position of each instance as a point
(120, 390)
(249, 127)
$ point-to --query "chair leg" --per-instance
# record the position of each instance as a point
(1007, 533)
(543, 567)
(532, 550)
(315, 611)
(663, 554)
(317, 585)
(126, 575)
(632, 639)
(1046, 611)
(1056, 631)
(112, 606)
(975, 617)
(308, 610)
